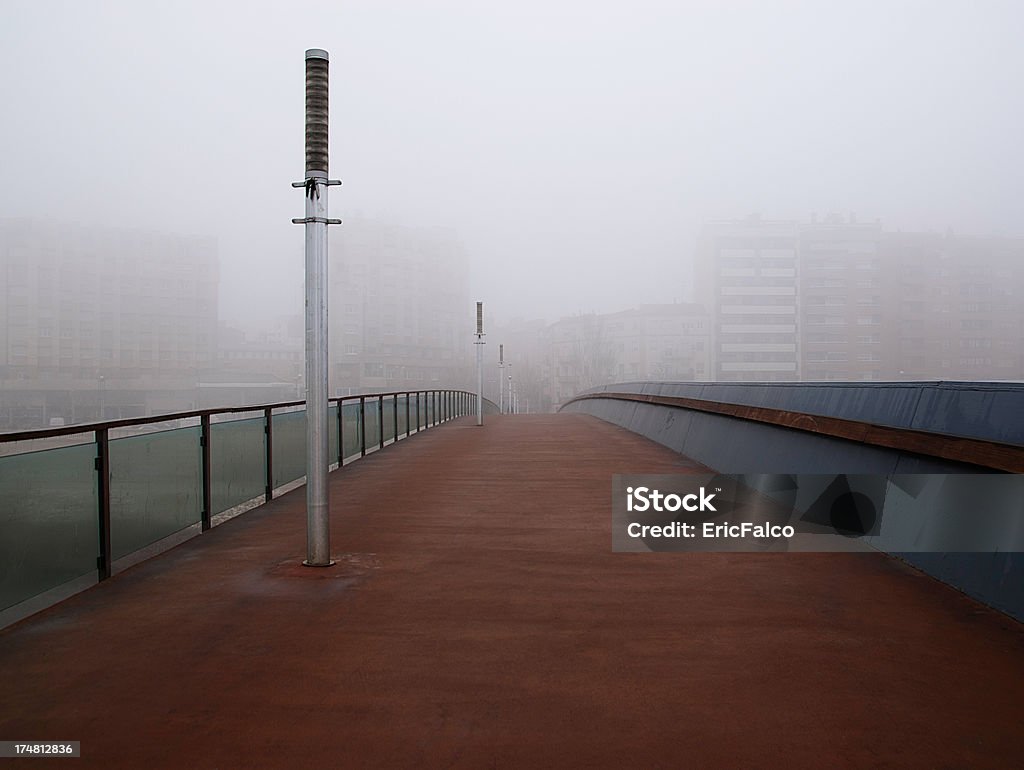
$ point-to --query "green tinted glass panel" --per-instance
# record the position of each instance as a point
(402, 421)
(351, 428)
(289, 447)
(155, 487)
(332, 433)
(237, 462)
(429, 398)
(49, 532)
(389, 418)
(372, 423)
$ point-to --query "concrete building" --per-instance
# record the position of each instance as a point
(845, 302)
(956, 306)
(839, 299)
(101, 322)
(400, 312)
(650, 342)
(747, 274)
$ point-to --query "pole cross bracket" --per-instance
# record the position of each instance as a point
(324, 220)
(328, 182)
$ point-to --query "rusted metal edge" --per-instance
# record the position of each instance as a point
(987, 454)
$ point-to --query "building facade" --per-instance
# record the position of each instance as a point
(101, 322)
(400, 312)
(747, 273)
(841, 300)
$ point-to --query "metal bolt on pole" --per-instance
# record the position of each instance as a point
(479, 363)
(315, 184)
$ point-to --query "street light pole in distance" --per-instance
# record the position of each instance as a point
(501, 379)
(479, 363)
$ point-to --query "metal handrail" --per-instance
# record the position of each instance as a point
(984, 453)
(446, 404)
(127, 422)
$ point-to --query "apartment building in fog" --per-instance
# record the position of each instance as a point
(649, 342)
(958, 306)
(101, 322)
(844, 300)
(401, 316)
(839, 299)
(747, 277)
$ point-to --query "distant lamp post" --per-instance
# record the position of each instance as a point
(509, 400)
(479, 363)
(501, 379)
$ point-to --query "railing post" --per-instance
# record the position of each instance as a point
(362, 426)
(408, 427)
(268, 431)
(396, 418)
(204, 443)
(380, 420)
(103, 560)
(418, 394)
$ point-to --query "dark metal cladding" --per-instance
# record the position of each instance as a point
(316, 115)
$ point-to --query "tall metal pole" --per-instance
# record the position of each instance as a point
(315, 184)
(510, 411)
(479, 363)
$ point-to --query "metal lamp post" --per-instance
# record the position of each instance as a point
(479, 363)
(315, 184)
(501, 379)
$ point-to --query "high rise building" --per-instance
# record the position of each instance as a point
(842, 294)
(839, 299)
(400, 311)
(747, 277)
(956, 305)
(101, 322)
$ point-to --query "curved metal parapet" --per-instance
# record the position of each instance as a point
(993, 455)
(986, 410)
(883, 429)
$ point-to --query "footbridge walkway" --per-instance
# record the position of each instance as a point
(477, 617)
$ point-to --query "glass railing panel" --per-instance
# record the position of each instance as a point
(49, 532)
(155, 487)
(289, 447)
(372, 423)
(351, 428)
(402, 421)
(389, 418)
(332, 433)
(238, 462)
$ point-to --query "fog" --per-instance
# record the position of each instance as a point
(576, 147)
(575, 150)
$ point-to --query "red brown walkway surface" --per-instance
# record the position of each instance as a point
(478, 618)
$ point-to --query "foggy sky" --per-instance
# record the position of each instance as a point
(575, 146)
